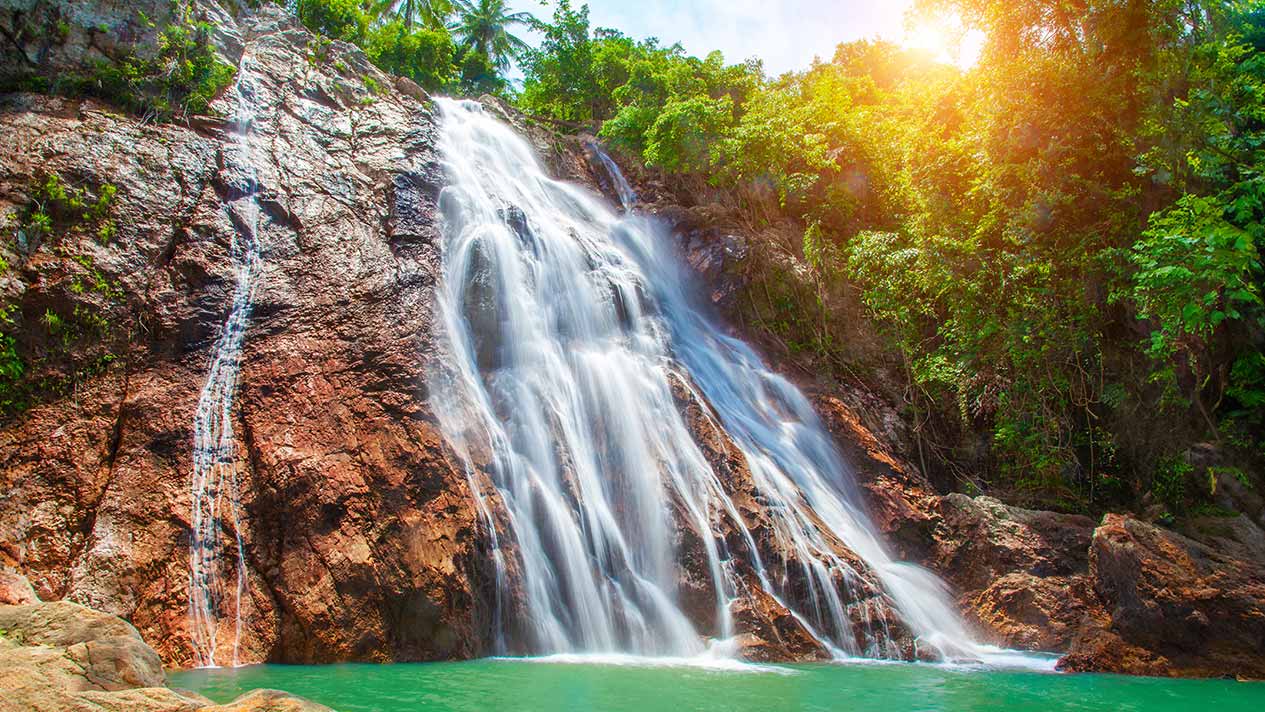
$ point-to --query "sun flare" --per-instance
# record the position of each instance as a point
(944, 39)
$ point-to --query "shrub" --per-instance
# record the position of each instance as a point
(425, 56)
(336, 19)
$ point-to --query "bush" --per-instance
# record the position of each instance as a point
(682, 136)
(189, 75)
(336, 19)
(182, 78)
(72, 344)
(425, 56)
(1169, 485)
(479, 75)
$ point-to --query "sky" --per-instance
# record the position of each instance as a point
(786, 34)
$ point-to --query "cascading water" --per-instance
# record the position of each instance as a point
(627, 196)
(567, 328)
(215, 485)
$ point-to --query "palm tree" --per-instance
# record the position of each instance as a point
(431, 14)
(483, 27)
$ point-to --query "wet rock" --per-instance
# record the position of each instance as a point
(482, 305)
(413, 203)
(901, 502)
(769, 633)
(766, 628)
(1020, 573)
(715, 256)
(1170, 605)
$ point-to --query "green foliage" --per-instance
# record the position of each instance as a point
(483, 28)
(1057, 240)
(413, 38)
(429, 14)
(12, 365)
(1196, 273)
(563, 81)
(477, 75)
(671, 108)
(49, 353)
(190, 75)
(1193, 270)
(182, 78)
(681, 137)
(425, 55)
(1171, 483)
(56, 206)
(1023, 233)
(336, 19)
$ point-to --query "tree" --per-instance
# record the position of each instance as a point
(336, 19)
(560, 73)
(477, 74)
(1060, 238)
(423, 55)
(1195, 275)
(483, 27)
(431, 14)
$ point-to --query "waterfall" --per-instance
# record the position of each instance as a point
(570, 339)
(214, 482)
(627, 196)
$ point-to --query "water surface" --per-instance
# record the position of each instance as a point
(527, 686)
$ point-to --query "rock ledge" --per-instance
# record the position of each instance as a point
(63, 657)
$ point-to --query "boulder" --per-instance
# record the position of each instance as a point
(1170, 605)
(267, 701)
(1021, 574)
(15, 589)
(108, 651)
(62, 657)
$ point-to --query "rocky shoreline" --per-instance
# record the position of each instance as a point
(63, 657)
(361, 541)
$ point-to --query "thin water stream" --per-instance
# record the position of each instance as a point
(215, 496)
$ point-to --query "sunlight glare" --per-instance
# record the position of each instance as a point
(945, 39)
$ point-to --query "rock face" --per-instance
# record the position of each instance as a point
(1021, 574)
(1171, 606)
(360, 540)
(62, 657)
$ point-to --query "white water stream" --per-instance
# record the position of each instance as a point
(215, 467)
(567, 327)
